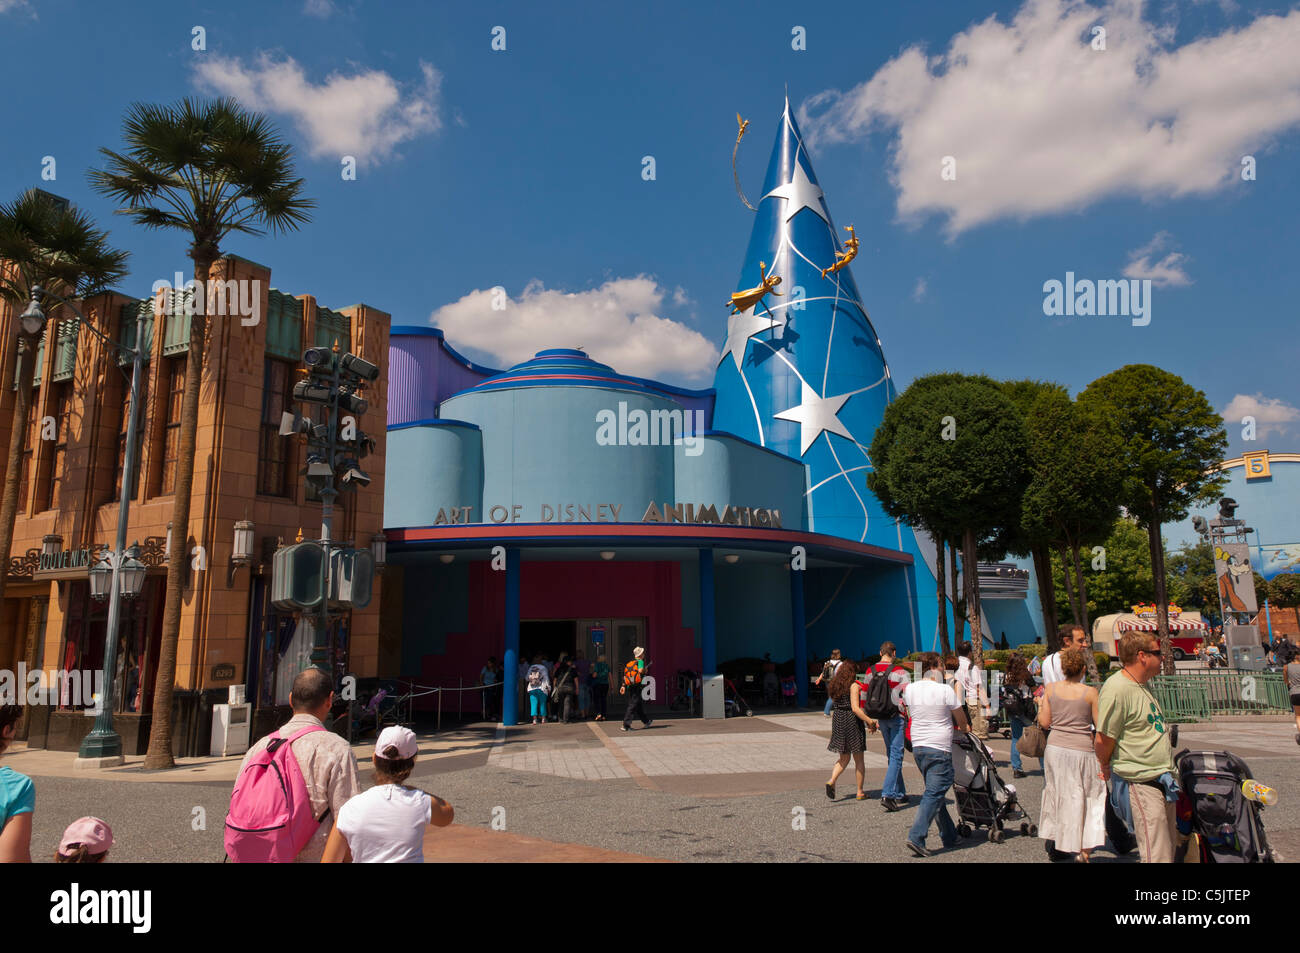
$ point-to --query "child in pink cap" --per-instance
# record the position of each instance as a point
(387, 823)
(86, 841)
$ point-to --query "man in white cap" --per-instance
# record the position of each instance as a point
(387, 824)
(633, 678)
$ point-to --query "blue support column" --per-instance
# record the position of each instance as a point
(708, 636)
(800, 637)
(510, 667)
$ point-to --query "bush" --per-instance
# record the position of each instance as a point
(1102, 660)
(1031, 649)
(993, 665)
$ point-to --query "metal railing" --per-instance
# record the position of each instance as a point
(1202, 695)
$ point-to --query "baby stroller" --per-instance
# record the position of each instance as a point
(982, 799)
(789, 690)
(733, 702)
(1229, 826)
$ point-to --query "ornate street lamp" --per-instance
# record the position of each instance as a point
(379, 550)
(242, 555)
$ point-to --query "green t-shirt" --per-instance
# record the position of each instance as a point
(1129, 713)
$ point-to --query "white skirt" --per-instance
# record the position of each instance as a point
(1074, 800)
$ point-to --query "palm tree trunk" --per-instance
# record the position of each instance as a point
(13, 468)
(942, 596)
(1046, 590)
(1093, 675)
(160, 733)
(958, 599)
(1162, 595)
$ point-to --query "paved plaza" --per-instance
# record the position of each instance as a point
(746, 789)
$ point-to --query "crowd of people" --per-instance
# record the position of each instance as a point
(573, 688)
(1106, 749)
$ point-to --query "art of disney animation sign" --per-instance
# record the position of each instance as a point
(690, 513)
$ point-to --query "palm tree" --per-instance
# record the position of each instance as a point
(44, 242)
(209, 169)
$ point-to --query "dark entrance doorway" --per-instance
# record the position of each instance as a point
(549, 637)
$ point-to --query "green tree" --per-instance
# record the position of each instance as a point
(1125, 581)
(207, 169)
(44, 242)
(1071, 502)
(948, 457)
(1173, 441)
(1284, 593)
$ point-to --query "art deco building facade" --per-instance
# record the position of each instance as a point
(244, 471)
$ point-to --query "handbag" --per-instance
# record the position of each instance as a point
(1033, 742)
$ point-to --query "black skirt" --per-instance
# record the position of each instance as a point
(848, 731)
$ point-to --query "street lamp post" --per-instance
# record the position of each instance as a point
(103, 746)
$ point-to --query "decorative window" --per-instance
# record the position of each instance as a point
(275, 452)
(173, 395)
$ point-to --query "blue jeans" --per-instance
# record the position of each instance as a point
(1017, 729)
(536, 700)
(829, 702)
(891, 729)
(936, 769)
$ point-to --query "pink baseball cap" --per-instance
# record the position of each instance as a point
(89, 832)
(403, 739)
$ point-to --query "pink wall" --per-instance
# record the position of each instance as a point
(559, 590)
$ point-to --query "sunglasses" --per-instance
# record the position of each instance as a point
(1152, 651)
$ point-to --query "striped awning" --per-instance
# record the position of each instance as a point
(1145, 625)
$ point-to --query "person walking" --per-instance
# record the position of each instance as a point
(828, 672)
(933, 709)
(970, 678)
(849, 726)
(633, 678)
(17, 798)
(600, 687)
(325, 759)
(893, 795)
(1133, 749)
(489, 678)
(538, 681)
(387, 823)
(565, 693)
(1018, 703)
(1073, 815)
(87, 840)
(1291, 669)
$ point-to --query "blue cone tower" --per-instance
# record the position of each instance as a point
(804, 374)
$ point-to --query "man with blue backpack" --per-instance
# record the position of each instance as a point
(292, 783)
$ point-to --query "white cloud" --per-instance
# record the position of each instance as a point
(1167, 272)
(17, 6)
(618, 324)
(1271, 414)
(1040, 123)
(365, 115)
(318, 8)
(919, 292)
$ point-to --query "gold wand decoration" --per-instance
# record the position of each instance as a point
(744, 123)
(843, 258)
(750, 297)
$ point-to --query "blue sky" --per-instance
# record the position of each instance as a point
(522, 168)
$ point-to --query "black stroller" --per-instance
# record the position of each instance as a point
(1229, 826)
(982, 799)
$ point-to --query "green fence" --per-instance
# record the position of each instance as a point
(1201, 696)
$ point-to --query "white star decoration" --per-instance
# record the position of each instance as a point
(740, 328)
(799, 193)
(814, 415)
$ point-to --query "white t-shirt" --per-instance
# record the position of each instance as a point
(1052, 669)
(386, 825)
(930, 706)
(969, 676)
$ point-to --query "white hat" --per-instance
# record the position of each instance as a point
(403, 739)
(638, 651)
